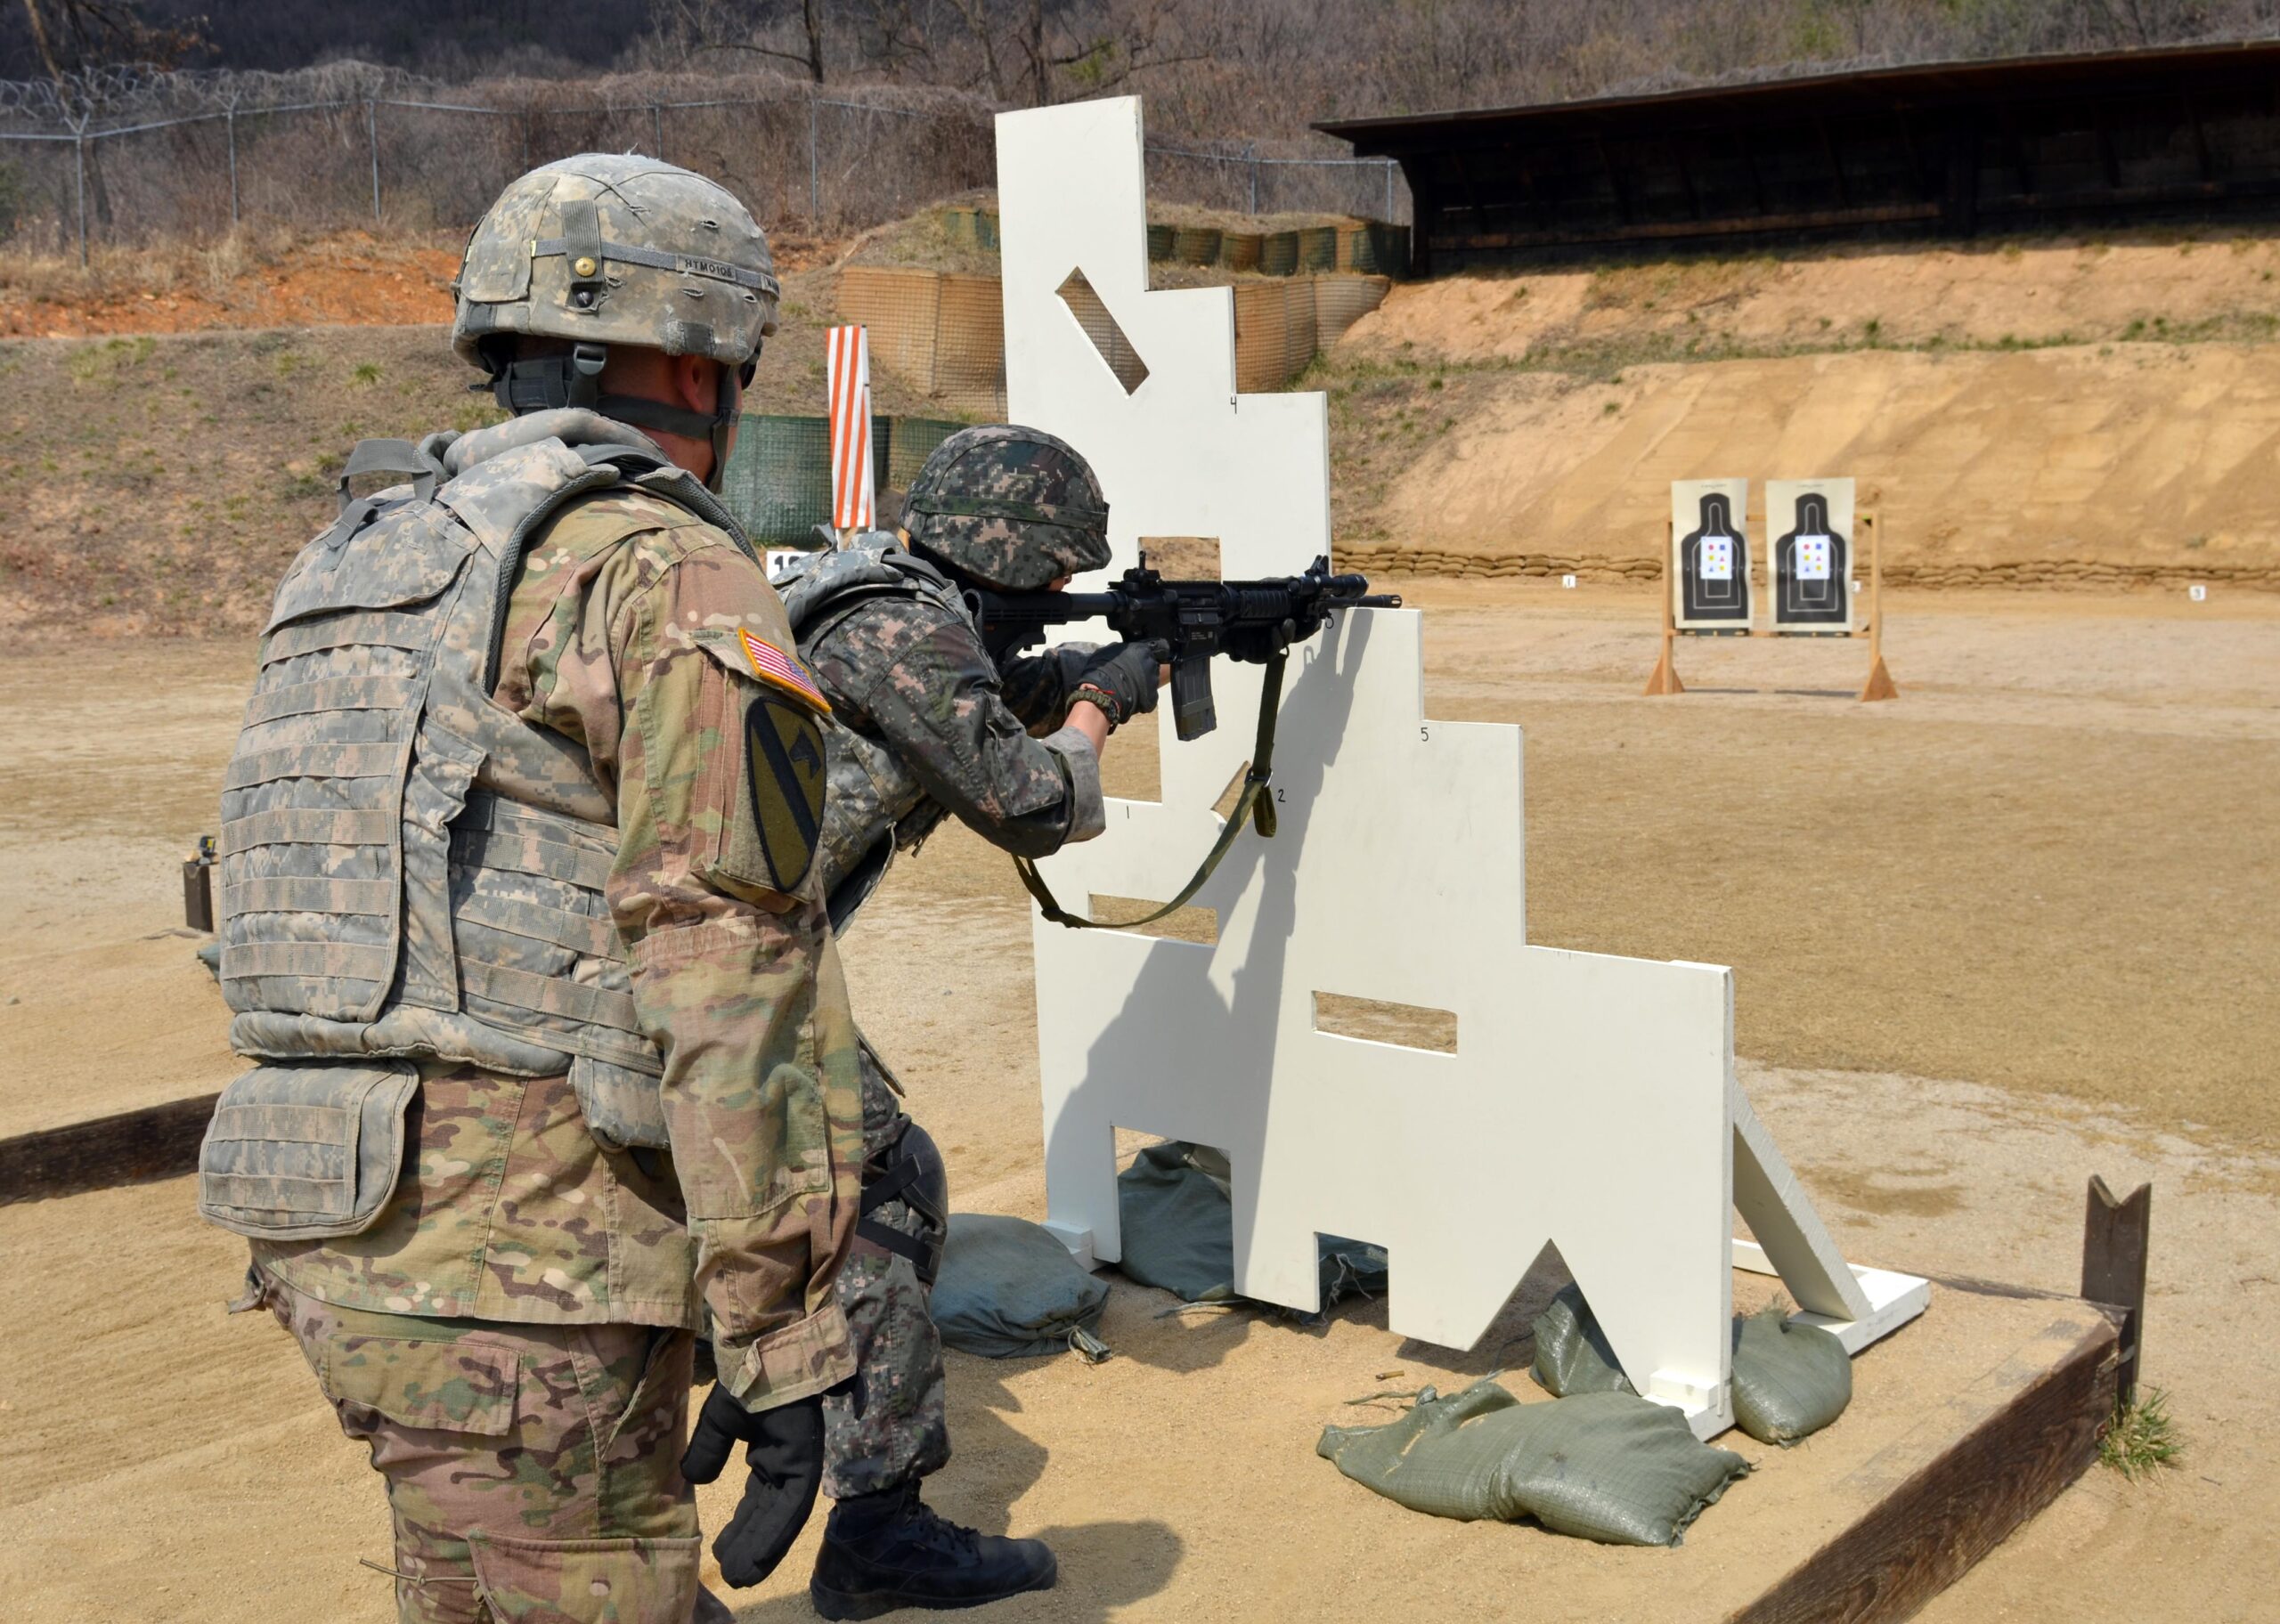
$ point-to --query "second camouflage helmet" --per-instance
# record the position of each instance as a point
(1012, 507)
(615, 248)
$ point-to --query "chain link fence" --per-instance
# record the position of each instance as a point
(1275, 178)
(186, 157)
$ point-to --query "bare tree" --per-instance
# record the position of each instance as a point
(74, 36)
(696, 27)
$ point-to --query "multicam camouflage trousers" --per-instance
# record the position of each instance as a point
(903, 1433)
(533, 1470)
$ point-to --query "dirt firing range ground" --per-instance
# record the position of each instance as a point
(2048, 874)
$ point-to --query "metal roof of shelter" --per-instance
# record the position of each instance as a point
(1945, 149)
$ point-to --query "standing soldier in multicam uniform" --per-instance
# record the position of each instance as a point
(929, 722)
(555, 1064)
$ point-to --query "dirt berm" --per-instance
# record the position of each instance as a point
(2075, 412)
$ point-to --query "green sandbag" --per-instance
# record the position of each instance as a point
(1008, 1289)
(1178, 1226)
(1609, 1466)
(1572, 1354)
(1177, 1213)
(1789, 1380)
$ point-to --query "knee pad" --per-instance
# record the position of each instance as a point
(912, 1172)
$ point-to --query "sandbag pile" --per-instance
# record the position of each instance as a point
(1789, 1381)
(1176, 1211)
(1609, 1466)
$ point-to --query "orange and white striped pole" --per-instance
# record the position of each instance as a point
(847, 383)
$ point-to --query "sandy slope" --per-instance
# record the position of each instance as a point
(2082, 291)
(1545, 412)
(2137, 453)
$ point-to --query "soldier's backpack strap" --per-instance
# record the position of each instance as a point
(1255, 805)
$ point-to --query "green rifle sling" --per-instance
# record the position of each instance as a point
(1254, 805)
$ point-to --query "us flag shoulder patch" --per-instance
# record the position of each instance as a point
(779, 669)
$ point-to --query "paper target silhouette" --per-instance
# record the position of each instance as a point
(1709, 567)
(1809, 565)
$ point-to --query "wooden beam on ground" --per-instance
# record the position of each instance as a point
(1932, 1503)
(2116, 1234)
(159, 1142)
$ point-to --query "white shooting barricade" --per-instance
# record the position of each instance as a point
(1589, 1101)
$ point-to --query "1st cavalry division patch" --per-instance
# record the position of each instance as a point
(784, 751)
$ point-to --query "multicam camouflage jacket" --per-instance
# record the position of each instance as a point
(926, 725)
(552, 845)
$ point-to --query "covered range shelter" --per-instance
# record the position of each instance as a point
(1946, 149)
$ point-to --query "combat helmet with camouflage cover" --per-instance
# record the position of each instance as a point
(1008, 507)
(613, 248)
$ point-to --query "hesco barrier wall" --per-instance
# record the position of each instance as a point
(942, 333)
(945, 335)
(779, 480)
(1281, 326)
(1368, 248)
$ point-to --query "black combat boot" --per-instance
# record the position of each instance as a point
(887, 1550)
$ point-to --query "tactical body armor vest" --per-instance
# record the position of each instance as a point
(874, 805)
(408, 869)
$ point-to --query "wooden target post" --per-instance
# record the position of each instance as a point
(1880, 685)
(1664, 679)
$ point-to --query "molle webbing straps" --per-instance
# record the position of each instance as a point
(1254, 803)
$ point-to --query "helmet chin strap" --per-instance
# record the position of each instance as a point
(548, 383)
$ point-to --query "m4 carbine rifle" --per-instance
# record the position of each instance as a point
(1252, 620)
(1191, 620)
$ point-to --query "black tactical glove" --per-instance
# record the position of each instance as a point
(784, 1448)
(1122, 680)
